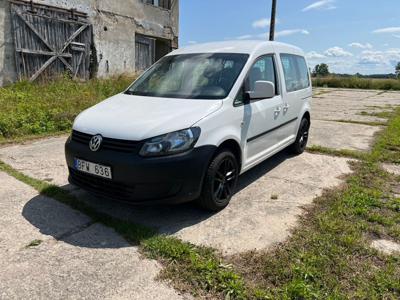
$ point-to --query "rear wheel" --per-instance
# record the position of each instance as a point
(300, 144)
(220, 182)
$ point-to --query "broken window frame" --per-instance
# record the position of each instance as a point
(164, 4)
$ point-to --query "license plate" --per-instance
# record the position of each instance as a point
(93, 168)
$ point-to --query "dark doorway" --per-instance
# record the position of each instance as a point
(149, 50)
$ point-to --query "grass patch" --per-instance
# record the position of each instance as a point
(357, 83)
(34, 243)
(362, 122)
(333, 152)
(380, 114)
(387, 146)
(47, 108)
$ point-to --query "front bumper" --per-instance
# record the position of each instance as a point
(138, 180)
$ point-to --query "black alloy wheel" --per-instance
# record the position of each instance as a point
(302, 137)
(220, 182)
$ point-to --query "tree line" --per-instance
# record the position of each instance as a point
(322, 70)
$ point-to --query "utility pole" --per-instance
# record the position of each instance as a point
(273, 18)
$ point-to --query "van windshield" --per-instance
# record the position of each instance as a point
(191, 76)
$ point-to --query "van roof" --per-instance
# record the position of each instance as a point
(243, 47)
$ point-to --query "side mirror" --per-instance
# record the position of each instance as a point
(262, 90)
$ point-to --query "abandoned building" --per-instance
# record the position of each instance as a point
(86, 38)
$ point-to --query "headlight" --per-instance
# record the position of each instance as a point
(171, 143)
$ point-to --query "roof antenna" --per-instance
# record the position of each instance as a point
(273, 21)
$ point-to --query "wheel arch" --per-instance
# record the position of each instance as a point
(307, 116)
(233, 146)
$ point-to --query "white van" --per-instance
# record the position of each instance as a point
(191, 124)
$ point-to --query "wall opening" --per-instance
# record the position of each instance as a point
(148, 50)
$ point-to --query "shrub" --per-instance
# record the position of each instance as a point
(357, 83)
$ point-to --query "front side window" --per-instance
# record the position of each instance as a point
(296, 72)
(262, 70)
(191, 76)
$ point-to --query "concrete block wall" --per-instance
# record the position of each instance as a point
(115, 24)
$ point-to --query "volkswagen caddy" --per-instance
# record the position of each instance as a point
(192, 123)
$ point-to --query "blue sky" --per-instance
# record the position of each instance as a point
(350, 35)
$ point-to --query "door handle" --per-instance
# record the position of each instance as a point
(286, 107)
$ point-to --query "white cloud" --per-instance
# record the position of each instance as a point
(387, 58)
(372, 58)
(291, 32)
(396, 36)
(337, 52)
(361, 46)
(387, 30)
(366, 62)
(314, 55)
(263, 23)
(321, 5)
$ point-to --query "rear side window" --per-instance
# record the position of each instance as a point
(296, 72)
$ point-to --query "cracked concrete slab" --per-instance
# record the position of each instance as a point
(349, 105)
(392, 168)
(50, 218)
(253, 220)
(88, 261)
(42, 159)
(342, 136)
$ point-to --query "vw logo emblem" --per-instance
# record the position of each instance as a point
(95, 143)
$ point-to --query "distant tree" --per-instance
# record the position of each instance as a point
(321, 70)
(398, 70)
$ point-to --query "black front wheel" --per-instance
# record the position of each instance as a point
(220, 182)
(300, 144)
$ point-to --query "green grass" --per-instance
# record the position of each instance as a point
(387, 146)
(357, 83)
(41, 109)
(333, 152)
(369, 123)
(34, 243)
(379, 114)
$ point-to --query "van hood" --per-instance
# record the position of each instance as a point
(137, 118)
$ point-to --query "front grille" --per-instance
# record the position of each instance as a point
(101, 186)
(108, 143)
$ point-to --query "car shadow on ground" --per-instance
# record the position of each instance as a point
(166, 219)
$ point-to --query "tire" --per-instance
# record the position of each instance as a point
(300, 144)
(220, 182)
